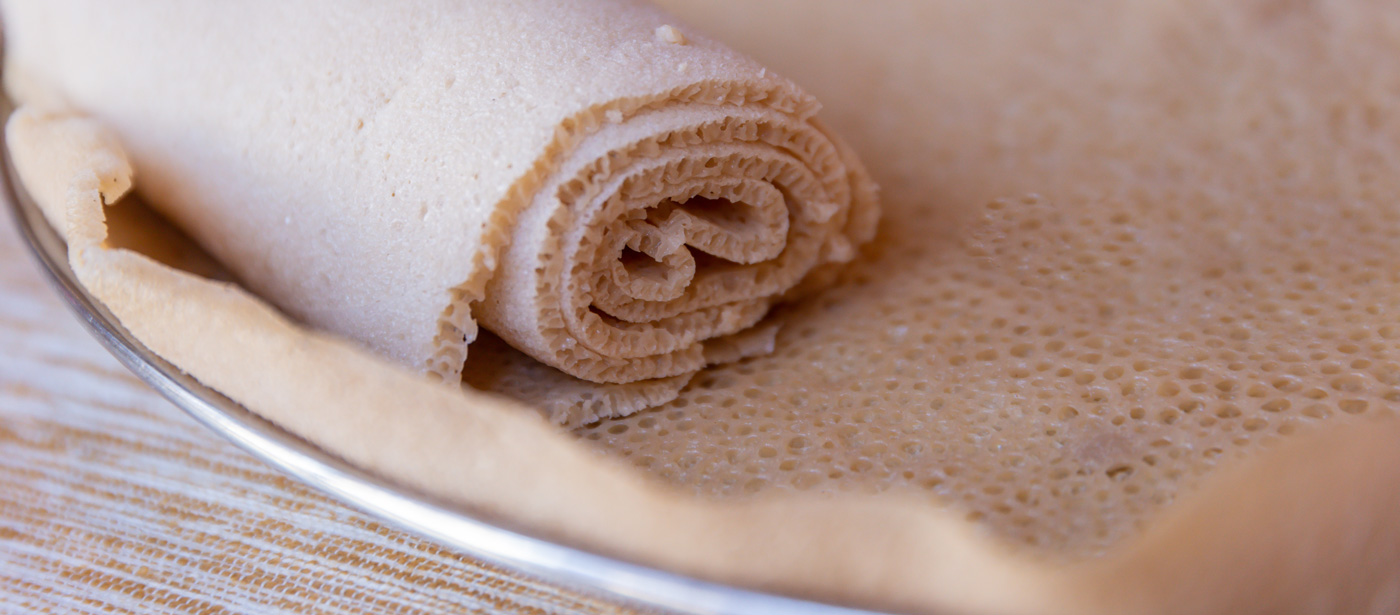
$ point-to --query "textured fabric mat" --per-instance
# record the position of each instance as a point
(112, 500)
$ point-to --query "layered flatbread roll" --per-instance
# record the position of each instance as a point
(1127, 343)
(606, 190)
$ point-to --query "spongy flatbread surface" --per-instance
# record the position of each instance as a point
(1307, 526)
(1124, 241)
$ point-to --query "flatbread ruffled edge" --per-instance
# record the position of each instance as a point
(1308, 525)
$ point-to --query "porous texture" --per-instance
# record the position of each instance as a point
(481, 451)
(364, 166)
(1123, 243)
(1306, 527)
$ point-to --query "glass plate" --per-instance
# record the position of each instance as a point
(476, 535)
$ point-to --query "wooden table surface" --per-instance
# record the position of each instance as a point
(112, 500)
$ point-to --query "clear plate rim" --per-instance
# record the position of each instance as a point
(473, 534)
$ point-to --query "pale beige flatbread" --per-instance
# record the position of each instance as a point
(1210, 125)
(1306, 528)
(602, 189)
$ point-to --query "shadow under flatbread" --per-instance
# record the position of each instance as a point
(133, 225)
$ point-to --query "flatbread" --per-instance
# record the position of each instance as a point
(1124, 243)
(601, 189)
(1230, 125)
